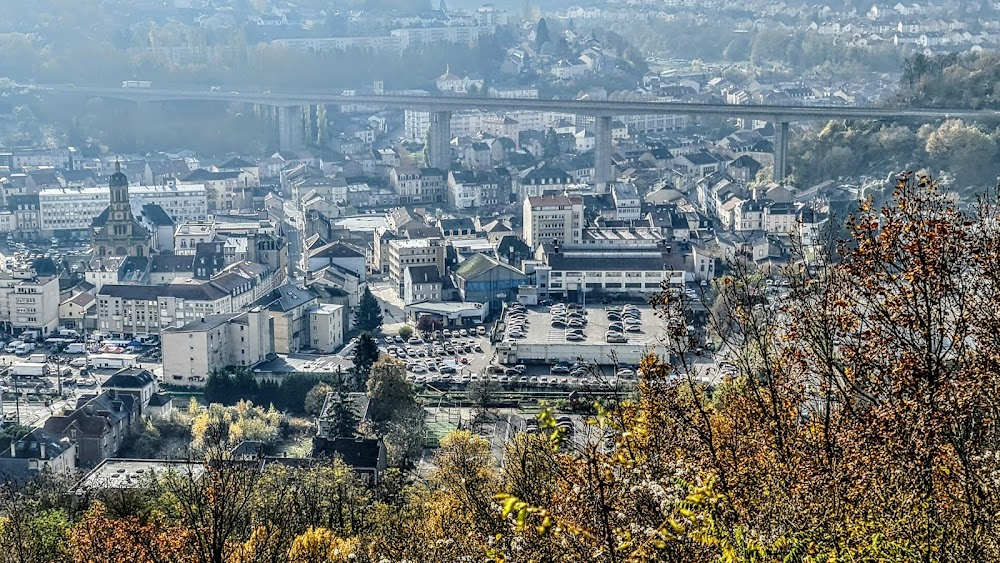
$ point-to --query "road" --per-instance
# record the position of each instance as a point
(294, 227)
(392, 306)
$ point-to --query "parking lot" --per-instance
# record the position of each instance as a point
(575, 324)
(37, 397)
(453, 362)
(442, 358)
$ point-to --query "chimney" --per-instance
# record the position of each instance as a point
(41, 453)
(13, 449)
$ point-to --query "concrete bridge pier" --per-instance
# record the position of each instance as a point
(780, 150)
(603, 175)
(439, 141)
(291, 130)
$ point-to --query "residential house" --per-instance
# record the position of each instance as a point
(421, 283)
(35, 453)
(138, 382)
(288, 307)
(475, 189)
(98, 425)
(540, 179)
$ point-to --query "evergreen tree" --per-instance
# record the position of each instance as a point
(345, 420)
(369, 315)
(551, 149)
(365, 354)
(541, 34)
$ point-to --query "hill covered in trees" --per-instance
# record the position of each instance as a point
(961, 154)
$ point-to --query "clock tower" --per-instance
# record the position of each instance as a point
(116, 232)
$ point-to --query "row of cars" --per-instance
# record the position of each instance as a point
(580, 369)
(436, 349)
(517, 322)
(622, 320)
(519, 381)
(572, 318)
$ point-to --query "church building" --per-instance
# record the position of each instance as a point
(115, 232)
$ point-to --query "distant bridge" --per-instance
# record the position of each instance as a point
(290, 131)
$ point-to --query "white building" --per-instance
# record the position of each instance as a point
(463, 124)
(454, 84)
(183, 201)
(628, 204)
(654, 123)
(549, 219)
(74, 209)
(337, 44)
(453, 34)
(189, 234)
(405, 253)
(615, 270)
(193, 350)
(71, 208)
(28, 301)
(326, 327)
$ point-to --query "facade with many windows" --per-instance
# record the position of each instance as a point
(553, 219)
(405, 253)
(213, 342)
(28, 302)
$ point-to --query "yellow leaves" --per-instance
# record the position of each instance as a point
(231, 425)
(522, 511)
(320, 545)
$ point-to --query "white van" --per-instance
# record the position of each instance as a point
(11, 346)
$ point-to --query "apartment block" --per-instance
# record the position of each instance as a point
(553, 219)
(28, 301)
(326, 328)
(405, 253)
(193, 350)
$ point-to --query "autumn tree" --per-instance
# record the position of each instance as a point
(405, 332)
(427, 324)
(316, 397)
(390, 394)
(962, 149)
(318, 545)
(219, 424)
(856, 425)
(100, 537)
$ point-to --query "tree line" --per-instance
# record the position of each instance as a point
(958, 153)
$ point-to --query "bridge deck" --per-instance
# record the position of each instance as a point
(777, 113)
